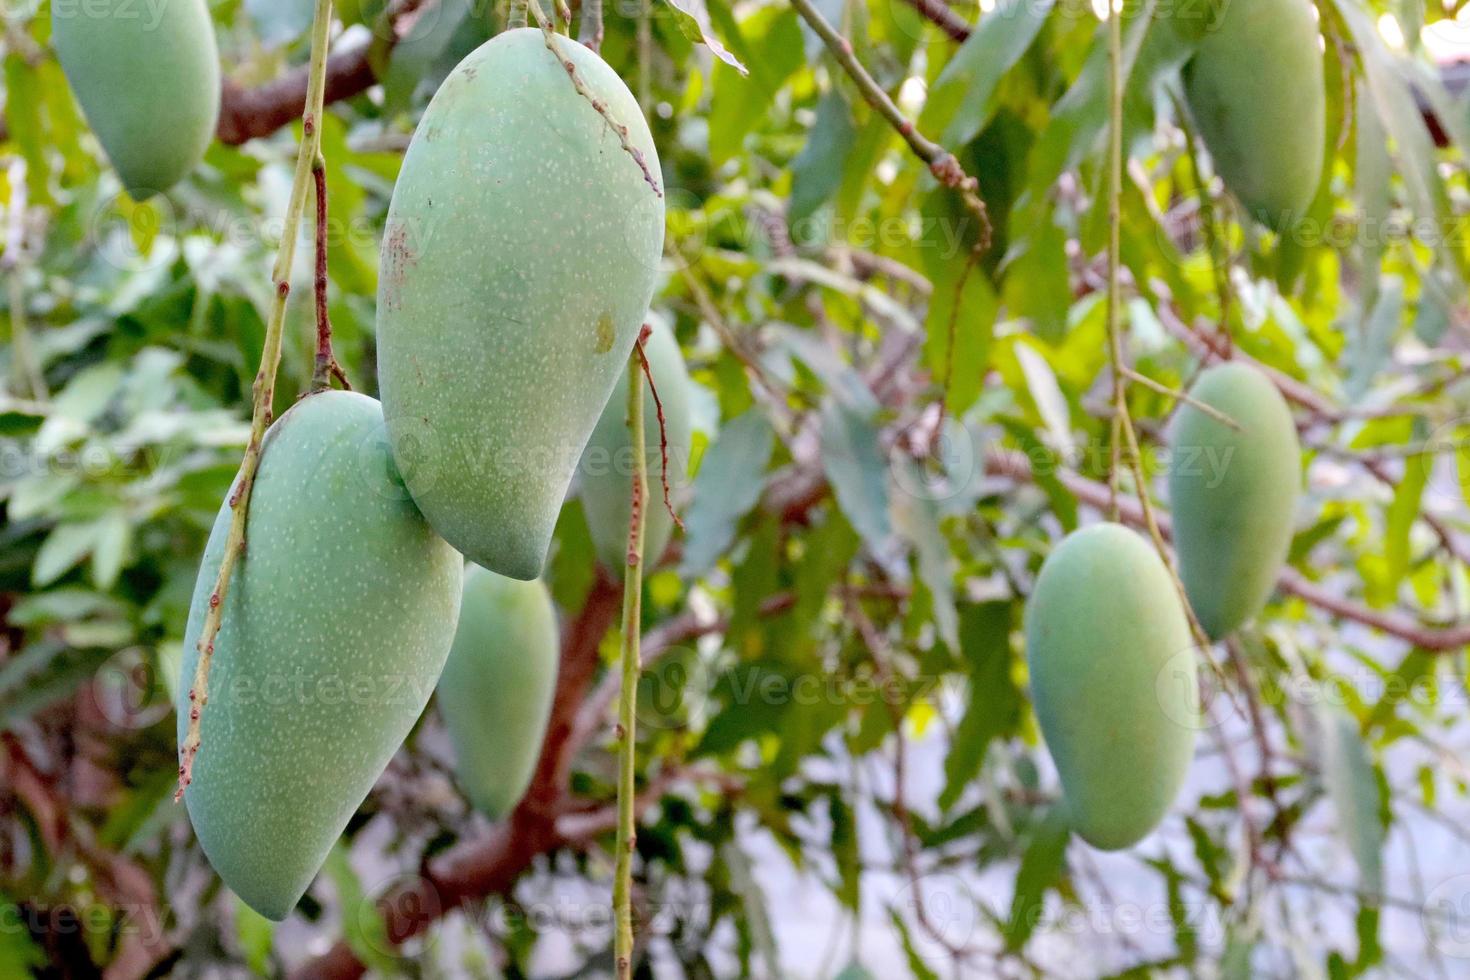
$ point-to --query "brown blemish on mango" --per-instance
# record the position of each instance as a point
(606, 333)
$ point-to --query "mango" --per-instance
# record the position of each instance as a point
(336, 625)
(520, 253)
(498, 685)
(147, 78)
(1113, 682)
(1233, 492)
(1255, 89)
(606, 469)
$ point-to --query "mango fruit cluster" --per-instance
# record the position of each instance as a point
(1108, 641)
(521, 248)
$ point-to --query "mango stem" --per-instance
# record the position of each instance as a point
(263, 391)
(628, 699)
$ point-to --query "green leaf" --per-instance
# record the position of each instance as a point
(727, 486)
(962, 99)
(1041, 868)
(1402, 514)
(693, 21)
(855, 466)
(816, 173)
(362, 927)
(255, 933)
(63, 549)
(771, 44)
(995, 702)
(974, 328)
(1352, 785)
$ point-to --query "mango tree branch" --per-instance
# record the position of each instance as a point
(942, 164)
(264, 390)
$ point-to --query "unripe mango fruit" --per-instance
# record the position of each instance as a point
(520, 252)
(1255, 89)
(147, 78)
(336, 625)
(1113, 682)
(497, 687)
(1233, 494)
(606, 470)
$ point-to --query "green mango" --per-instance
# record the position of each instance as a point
(1233, 493)
(1255, 89)
(1113, 681)
(520, 253)
(497, 687)
(147, 77)
(336, 625)
(606, 469)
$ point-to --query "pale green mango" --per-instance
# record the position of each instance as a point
(336, 625)
(1256, 92)
(497, 687)
(1233, 493)
(520, 253)
(147, 77)
(1113, 682)
(606, 469)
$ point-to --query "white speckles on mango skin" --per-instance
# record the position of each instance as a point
(336, 626)
(147, 78)
(519, 225)
(497, 687)
(606, 470)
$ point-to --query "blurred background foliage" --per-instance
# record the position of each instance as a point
(844, 769)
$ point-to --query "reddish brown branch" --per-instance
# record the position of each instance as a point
(249, 113)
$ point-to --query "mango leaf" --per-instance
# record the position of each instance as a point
(693, 21)
(816, 173)
(1041, 868)
(961, 100)
(1352, 785)
(853, 461)
(995, 702)
(769, 39)
(725, 489)
(1402, 514)
(917, 520)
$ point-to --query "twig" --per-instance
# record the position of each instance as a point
(938, 13)
(619, 129)
(326, 367)
(663, 434)
(942, 164)
(628, 702)
(1181, 396)
(263, 391)
(1448, 638)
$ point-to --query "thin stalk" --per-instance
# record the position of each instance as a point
(628, 697)
(1122, 374)
(264, 389)
(326, 367)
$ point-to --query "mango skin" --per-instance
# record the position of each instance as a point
(1233, 494)
(1255, 89)
(336, 626)
(498, 686)
(606, 469)
(520, 253)
(148, 80)
(1113, 682)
